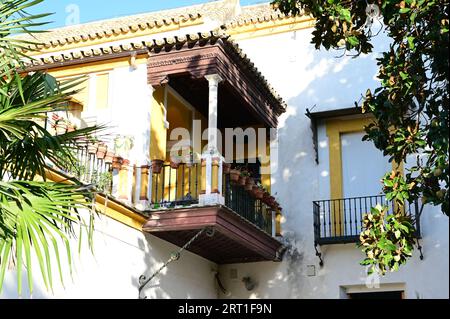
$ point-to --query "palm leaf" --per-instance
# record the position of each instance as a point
(36, 217)
(42, 212)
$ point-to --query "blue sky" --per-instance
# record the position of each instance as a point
(91, 10)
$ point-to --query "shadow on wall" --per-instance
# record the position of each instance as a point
(320, 79)
(189, 277)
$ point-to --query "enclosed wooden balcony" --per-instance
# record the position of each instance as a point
(242, 229)
(201, 79)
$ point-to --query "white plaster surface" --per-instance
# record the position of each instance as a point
(307, 78)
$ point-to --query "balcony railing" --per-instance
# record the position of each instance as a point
(90, 167)
(339, 221)
(251, 209)
(176, 186)
(180, 187)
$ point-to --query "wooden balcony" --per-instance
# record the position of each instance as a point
(241, 230)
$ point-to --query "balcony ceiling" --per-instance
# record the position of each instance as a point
(192, 56)
(232, 110)
(197, 55)
(235, 240)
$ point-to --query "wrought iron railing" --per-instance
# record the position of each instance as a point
(176, 186)
(180, 187)
(339, 221)
(251, 209)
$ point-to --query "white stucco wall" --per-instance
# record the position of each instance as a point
(121, 255)
(307, 78)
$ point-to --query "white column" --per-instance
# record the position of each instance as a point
(142, 145)
(210, 197)
(274, 223)
(214, 80)
(115, 182)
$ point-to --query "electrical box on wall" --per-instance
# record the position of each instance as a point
(310, 270)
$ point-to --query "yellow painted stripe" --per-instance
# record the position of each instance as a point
(266, 28)
(112, 209)
(120, 213)
(93, 67)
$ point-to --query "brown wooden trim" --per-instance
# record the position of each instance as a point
(214, 59)
(223, 220)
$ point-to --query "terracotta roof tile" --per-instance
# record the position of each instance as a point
(223, 11)
(256, 14)
(156, 45)
(105, 28)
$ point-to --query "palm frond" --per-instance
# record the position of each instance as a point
(37, 218)
(40, 213)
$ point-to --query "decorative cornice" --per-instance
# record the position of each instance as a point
(109, 30)
(225, 12)
(156, 46)
(181, 60)
(255, 14)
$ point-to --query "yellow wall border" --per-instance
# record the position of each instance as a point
(260, 29)
(94, 67)
(119, 212)
(109, 207)
(334, 130)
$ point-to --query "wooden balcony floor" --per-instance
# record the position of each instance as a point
(235, 240)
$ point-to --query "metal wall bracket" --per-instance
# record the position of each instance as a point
(318, 254)
(420, 250)
(174, 256)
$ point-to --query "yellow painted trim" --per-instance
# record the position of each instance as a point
(266, 180)
(266, 28)
(123, 181)
(113, 210)
(203, 177)
(278, 216)
(94, 67)
(335, 128)
(158, 135)
(120, 213)
(215, 176)
(144, 183)
(119, 37)
(102, 89)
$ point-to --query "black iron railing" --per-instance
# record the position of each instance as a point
(339, 221)
(179, 187)
(251, 209)
(176, 186)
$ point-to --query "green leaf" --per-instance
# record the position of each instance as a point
(346, 15)
(354, 41)
(411, 42)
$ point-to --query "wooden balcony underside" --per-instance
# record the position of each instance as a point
(235, 240)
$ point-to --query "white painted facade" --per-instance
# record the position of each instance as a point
(319, 81)
(305, 78)
(121, 255)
